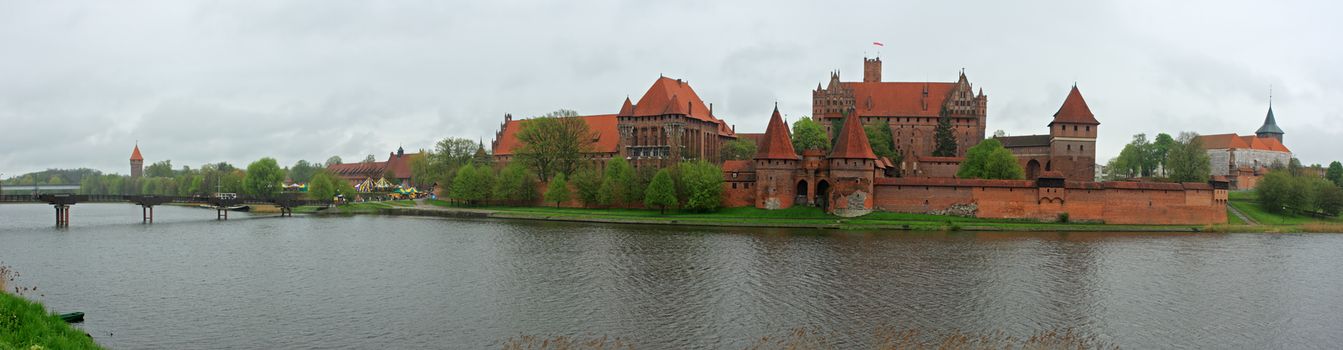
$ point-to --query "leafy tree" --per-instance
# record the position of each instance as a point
(160, 169)
(1275, 192)
(1294, 167)
(322, 186)
(302, 171)
(999, 133)
(196, 187)
(946, 139)
(808, 135)
(588, 185)
(560, 113)
(661, 192)
(1328, 198)
(263, 178)
(558, 190)
(1335, 173)
(739, 149)
(514, 184)
(879, 137)
(1158, 151)
(370, 159)
(1187, 161)
(616, 181)
(333, 160)
(467, 184)
(704, 181)
(552, 145)
(989, 160)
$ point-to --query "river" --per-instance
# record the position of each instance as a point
(258, 281)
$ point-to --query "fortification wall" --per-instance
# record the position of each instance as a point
(1111, 202)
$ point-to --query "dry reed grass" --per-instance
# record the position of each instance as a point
(886, 338)
(1320, 227)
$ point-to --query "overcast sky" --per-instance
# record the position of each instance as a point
(206, 81)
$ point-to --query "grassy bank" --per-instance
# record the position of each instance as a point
(1248, 203)
(356, 208)
(27, 325)
(805, 217)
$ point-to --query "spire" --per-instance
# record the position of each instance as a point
(852, 142)
(627, 108)
(777, 144)
(1270, 124)
(1074, 110)
(135, 154)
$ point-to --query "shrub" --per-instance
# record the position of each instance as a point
(1063, 217)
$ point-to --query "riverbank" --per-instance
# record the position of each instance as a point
(26, 325)
(813, 218)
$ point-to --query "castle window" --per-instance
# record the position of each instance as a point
(1088, 128)
(734, 185)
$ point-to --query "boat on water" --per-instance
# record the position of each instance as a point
(73, 317)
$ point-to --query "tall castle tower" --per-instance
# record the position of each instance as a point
(1072, 139)
(137, 162)
(872, 70)
(1270, 128)
(776, 164)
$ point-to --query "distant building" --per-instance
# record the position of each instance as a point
(669, 124)
(1244, 159)
(1069, 148)
(137, 162)
(912, 109)
(396, 170)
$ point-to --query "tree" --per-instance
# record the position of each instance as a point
(322, 186)
(333, 160)
(1335, 173)
(661, 191)
(704, 181)
(1294, 166)
(370, 159)
(1328, 198)
(1187, 161)
(263, 178)
(808, 135)
(560, 113)
(588, 185)
(989, 160)
(879, 136)
(514, 184)
(1274, 190)
(552, 145)
(739, 149)
(1158, 151)
(558, 190)
(999, 133)
(471, 184)
(302, 171)
(160, 169)
(946, 139)
(616, 180)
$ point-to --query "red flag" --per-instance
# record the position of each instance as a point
(878, 43)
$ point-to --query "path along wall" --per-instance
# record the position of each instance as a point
(1108, 202)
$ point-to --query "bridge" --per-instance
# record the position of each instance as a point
(221, 205)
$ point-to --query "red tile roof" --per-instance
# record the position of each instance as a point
(852, 143)
(1233, 141)
(135, 155)
(1075, 110)
(671, 96)
(898, 99)
(737, 166)
(1223, 141)
(777, 144)
(606, 135)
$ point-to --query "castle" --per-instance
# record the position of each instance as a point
(670, 123)
(1245, 159)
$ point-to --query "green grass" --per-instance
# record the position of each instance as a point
(804, 216)
(25, 324)
(356, 208)
(1232, 219)
(1247, 202)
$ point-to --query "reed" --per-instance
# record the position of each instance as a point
(531, 342)
(884, 338)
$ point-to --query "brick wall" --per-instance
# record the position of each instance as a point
(1114, 203)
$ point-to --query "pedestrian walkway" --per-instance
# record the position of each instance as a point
(1242, 216)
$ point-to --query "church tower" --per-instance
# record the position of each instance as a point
(137, 162)
(1270, 128)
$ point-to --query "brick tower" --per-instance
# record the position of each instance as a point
(137, 162)
(1072, 139)
(872, 70)
(776, 165)
(852, 168)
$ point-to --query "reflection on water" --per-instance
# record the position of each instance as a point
(190, 282)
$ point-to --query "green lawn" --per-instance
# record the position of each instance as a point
(1232, 219)
(1247, 202)
(27, 325)
(357, 208)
